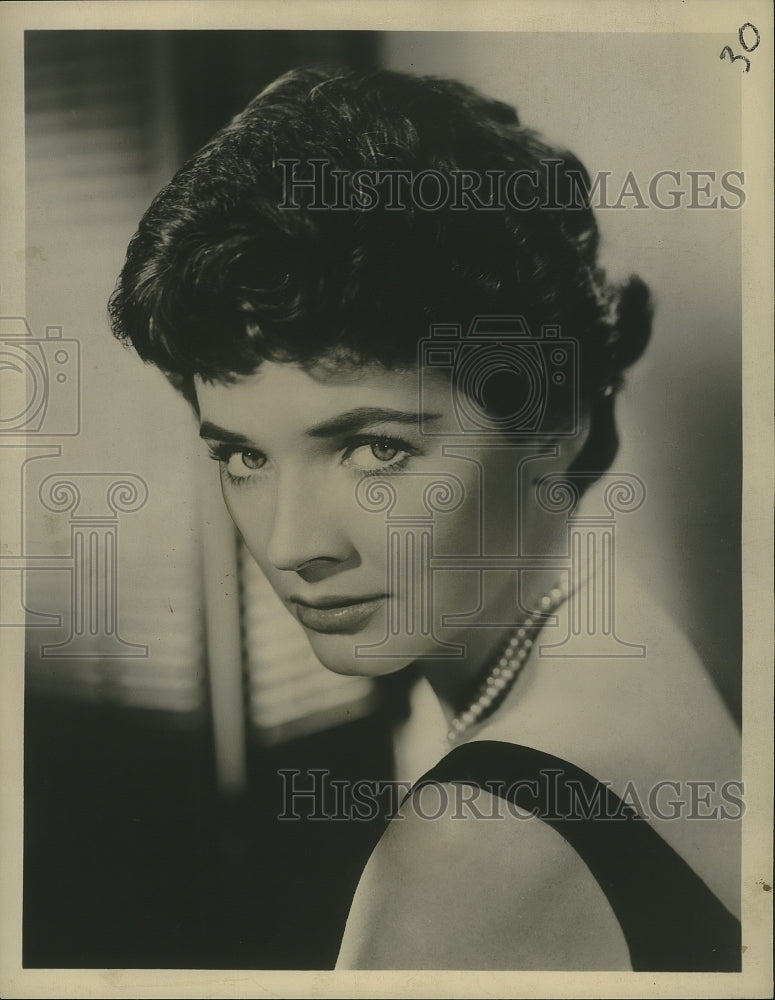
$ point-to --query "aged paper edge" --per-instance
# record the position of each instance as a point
(706, 16)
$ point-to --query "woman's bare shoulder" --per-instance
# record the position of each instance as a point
(461, 881)
(642, 724)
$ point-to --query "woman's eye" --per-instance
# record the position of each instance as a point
(378, 455)
(383, 451)
(241, 464)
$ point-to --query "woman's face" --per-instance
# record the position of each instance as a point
(307, 458)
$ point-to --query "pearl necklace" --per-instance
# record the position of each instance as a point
(502, 676)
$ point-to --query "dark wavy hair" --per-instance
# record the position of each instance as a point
(219, 277)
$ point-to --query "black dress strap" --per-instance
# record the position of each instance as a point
(671, 920)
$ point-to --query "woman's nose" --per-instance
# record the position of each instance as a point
(307, 527)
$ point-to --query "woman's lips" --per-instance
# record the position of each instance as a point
(343, 615)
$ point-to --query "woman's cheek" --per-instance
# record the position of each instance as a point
(251, 519)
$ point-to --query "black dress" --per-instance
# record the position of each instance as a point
(671, 920)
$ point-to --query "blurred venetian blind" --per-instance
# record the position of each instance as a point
(99, 142)
(110, 116)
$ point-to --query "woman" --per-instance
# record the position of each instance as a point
(381, 295)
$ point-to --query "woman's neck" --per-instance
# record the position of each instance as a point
(454, 680)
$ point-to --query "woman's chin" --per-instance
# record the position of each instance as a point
(358, 655)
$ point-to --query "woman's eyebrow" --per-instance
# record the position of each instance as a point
(212, 432)
(355, 420)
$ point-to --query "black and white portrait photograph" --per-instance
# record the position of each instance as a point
(386, 423)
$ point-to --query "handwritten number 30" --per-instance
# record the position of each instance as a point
(748, 48)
